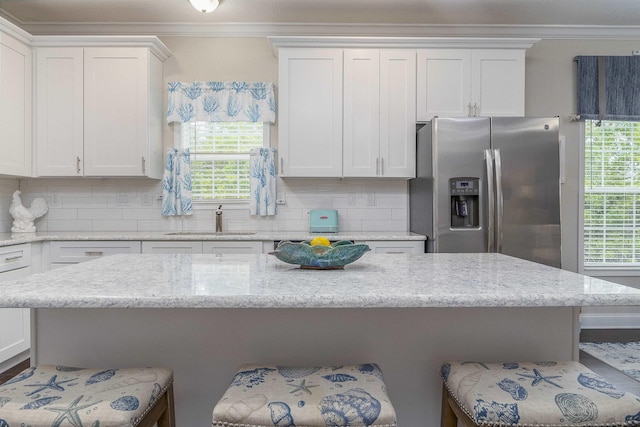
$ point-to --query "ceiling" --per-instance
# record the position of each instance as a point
(176, 16)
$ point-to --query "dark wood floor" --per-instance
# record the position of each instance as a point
(10, 373)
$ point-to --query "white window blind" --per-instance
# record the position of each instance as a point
(220, 157)
(612, 194)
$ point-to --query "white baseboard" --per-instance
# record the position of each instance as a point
(610, 321)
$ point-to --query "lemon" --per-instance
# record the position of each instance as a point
(320, 241)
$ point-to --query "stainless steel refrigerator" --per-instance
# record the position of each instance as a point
(489, 185)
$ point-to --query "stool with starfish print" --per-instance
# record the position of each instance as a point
(272, 395)
(52, 396)
(538, 394)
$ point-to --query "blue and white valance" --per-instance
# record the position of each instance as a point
(221, 102)
(609, 87)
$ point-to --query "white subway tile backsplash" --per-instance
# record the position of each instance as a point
(132, 205)
(115, 225)
(68, 225)
(97, 214)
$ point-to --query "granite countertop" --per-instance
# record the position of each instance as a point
(7, 239)
(262, 281)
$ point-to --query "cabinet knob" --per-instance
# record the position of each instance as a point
(78, 165)
(144, 166)
(382, 166)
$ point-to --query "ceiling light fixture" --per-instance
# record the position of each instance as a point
(204, 6)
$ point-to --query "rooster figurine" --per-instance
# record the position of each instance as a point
(23, 217)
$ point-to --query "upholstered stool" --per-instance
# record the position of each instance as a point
(309, 397)
(533, 394)
(60, 396)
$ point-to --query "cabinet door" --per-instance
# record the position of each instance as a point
(73, 252)
(15, 107)
(361, 138)
(397, 247)
(498, 82)
(178, 247)
(232, 247)
(310, 112)
(116, 126)
(59, 106)
(397, 114)
(15, 329)
(444, 83)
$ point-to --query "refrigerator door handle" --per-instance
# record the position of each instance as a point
(488, 158)
(499, 199)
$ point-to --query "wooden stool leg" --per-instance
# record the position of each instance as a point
(168, 417)
(162, 412)
(448, 417)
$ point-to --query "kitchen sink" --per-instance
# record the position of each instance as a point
(210, 233)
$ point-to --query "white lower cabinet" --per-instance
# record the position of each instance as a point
(15, 323)
(396, 246)
(61, 253)
(232, 247)
(154, 247)
(199, 247)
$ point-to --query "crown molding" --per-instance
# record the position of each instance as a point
(402, 42)
(153, 43)
(15, 31)
(265, 29)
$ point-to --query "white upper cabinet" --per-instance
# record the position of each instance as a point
(398, 113)
(59, 111)
(379, 113)
(99, 111)
(15, 104)
(310, 112)
(470, 82)
(347, 113)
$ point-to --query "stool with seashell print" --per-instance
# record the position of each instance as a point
(284, 396)
(52, 396)
(541, 394)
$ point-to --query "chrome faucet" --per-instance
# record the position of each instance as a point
(219, 219)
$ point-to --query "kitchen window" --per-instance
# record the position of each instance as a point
(220, 157)
(612, 194)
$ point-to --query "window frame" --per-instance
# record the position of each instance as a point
(228, 203)
(600, 270)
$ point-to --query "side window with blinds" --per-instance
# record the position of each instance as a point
(220, 157)
(612, 194)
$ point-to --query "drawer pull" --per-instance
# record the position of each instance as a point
(94, 253)
(13, 258)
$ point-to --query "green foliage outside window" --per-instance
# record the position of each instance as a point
(220, 158)
(612, 194)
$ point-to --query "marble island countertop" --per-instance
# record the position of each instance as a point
(262, 281)
(7, 239)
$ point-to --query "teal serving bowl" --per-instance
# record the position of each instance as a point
(320, 257)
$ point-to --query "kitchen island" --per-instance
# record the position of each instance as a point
(203, 315)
